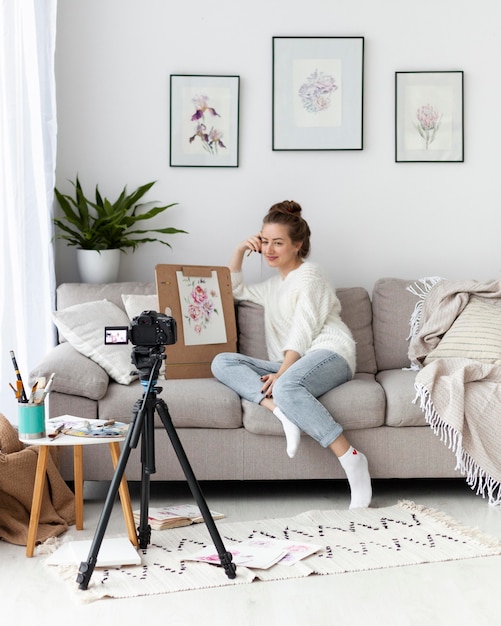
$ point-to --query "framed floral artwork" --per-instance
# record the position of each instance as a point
(318, 93)
(204, 120)
(429, 117)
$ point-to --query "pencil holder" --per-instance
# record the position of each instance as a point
(31, 421)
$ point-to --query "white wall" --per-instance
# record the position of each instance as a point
(370, 216)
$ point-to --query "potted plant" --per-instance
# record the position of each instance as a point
(102, 228)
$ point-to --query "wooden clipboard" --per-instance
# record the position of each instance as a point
(193, 361)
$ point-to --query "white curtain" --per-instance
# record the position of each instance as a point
(28, 129)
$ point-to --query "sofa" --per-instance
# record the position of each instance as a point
(229, 439)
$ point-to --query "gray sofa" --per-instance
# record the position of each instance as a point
(229, 439)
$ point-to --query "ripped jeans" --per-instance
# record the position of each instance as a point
(295, 392)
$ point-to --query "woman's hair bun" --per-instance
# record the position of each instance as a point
(286, 206)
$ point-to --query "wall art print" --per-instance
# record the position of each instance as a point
(429, 117)
(204, 120)
(318, 93)
(201, 309)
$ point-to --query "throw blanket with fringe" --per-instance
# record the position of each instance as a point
(461, 398)
(17, 478)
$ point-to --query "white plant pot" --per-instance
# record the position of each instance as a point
(98, 266)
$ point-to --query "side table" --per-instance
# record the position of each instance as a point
(78, 444)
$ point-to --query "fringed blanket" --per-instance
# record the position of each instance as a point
(461, 397)
(17, 478)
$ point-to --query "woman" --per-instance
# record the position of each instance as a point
(310, 348)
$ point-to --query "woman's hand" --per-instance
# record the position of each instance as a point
(252, 243)
(268, 380)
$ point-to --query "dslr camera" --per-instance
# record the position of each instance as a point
(149, 329)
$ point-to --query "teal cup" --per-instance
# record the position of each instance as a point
(31, 421)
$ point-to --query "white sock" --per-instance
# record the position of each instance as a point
(292, 432)
(356, 467)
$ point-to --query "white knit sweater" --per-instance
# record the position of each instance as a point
(301, 313)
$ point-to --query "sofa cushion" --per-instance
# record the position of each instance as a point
(75, 374)
(356, 313)
(392, 308)
(357, 404)
(250, 327)
(399, 388)
(82, 325)
(192, 403)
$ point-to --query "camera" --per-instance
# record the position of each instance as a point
(150, 328)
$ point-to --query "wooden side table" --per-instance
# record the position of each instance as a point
(78, 444)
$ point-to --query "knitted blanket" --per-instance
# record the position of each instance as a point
(461, 397)
(17, 478)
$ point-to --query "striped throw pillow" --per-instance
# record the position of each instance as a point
(475, 334)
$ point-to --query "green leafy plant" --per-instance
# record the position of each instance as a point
(105, 225)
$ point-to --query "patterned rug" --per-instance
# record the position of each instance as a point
(351, 540)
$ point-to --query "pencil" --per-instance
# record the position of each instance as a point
(22, 392)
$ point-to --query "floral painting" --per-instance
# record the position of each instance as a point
(203, 319)
(429, 116)
(204, 121)
(209, 135)
(317, 100)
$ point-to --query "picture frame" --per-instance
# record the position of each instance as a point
(318, 93)
(429, 117)
(204, 120)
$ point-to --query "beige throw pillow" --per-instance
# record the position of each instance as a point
(82, 325)
(475, 334)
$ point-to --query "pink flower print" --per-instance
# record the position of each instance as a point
(194, 312)
(199, 294)
(428, 123)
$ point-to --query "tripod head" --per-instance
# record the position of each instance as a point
(148, 360)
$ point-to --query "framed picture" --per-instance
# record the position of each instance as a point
(204, 120)
(318, 93)
(429, 120)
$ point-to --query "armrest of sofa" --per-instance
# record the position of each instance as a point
(75, 374)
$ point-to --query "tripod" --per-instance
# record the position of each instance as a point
(148, 360)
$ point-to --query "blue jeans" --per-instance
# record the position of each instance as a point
(295, 392)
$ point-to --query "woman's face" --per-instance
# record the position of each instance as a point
(278, 249)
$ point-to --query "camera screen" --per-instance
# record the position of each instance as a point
(116, 335)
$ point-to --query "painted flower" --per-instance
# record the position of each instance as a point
(428, 123)
(211, 140)
(200, 305)
(201, 107)
(316, 92)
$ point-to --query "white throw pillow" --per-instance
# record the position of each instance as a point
(82, 325)
(135, 304)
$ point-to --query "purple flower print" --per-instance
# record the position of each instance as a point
(428, 123)
(316, 92)
(212, 139)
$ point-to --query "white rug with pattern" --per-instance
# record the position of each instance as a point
(351, 540)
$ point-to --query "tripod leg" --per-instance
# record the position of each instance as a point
(224, 556)
(148, 468)
(87, 567)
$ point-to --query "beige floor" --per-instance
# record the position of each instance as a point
(459, 593)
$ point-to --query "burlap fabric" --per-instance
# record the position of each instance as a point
(17, 478)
